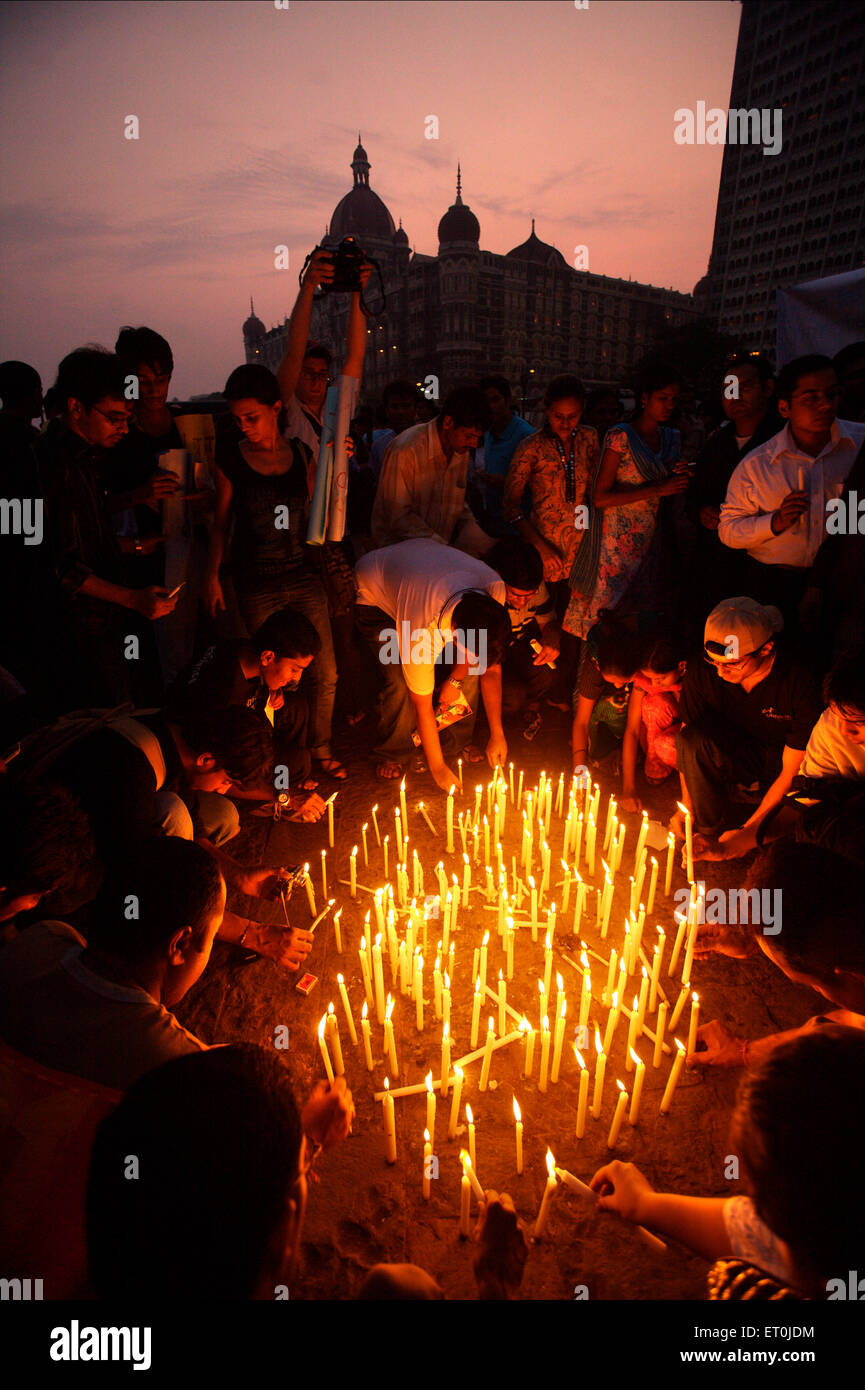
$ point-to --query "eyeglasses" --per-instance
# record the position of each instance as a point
(114, 417)
(719, 664)
(316, 376)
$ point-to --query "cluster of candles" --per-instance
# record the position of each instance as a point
(396, 935)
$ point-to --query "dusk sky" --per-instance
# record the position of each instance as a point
(249, 116)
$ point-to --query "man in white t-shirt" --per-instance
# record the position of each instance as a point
(417, 600)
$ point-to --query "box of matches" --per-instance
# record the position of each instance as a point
(306, 984)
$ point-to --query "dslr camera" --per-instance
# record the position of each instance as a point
(347, 259)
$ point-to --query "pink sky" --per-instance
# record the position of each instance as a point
(248, 120)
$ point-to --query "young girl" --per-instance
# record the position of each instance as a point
(653, 716)
(609, 660)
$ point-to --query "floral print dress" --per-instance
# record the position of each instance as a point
(537, 465)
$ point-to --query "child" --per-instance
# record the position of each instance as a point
(609, 660)
(653, 717)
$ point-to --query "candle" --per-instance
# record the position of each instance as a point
(325, 1055)
(611, 976)
(659, 1034)
(397, 825)
(462, 830)
(468, 1169)
(549, 1189)
(657, 956)
(579, 904)
(364, 969)
(446, 999)
(470, 1121)
(679, 1006)
(511, 769)
(430, 1104)
(590, 845)
(509, 948)
(450, 821)
(343, 994)
(402, 806)
(367, 1046)
(644, 996)
(681, 919)
(653, 884)
(600, 1072)
(641, 840)
(446, 930)
(529, 1048)
(585, 999)
(486, 841)
(352, 871)
(634, 1112)
(518, 1123)
(389, 1123)
(478, 794)
(422, 810)
(455, 1103)
(542, 1003)
(332, 1033)
(612, 1022)
(673, 1079)
(548, 962)
(558, 1043)
(482, 969)
(467, 880)
(583, 1101)
(488, 1057)
(633, 1030)
(694, 1024)
(545, 1053)
(378, 978)
(465, 1206)
(386, 849)
(363, 830)
(446, 1059)
(618, 1116)
(689, 840)
(330, 801)
(689, 951)
(427, 1164)
(417, 989)
(375, 824)
(520, 791)
(310, 891)
(620, 848)
(389, 1043)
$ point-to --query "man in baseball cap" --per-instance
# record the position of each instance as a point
(747, 712)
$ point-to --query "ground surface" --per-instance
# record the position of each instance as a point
(364, 1211)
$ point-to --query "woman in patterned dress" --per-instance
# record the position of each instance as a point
(619, 564)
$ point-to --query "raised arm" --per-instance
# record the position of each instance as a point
(318, 272)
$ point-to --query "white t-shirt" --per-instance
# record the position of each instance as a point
(829, 753)
(419, 583)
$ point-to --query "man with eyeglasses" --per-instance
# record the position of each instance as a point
(103, 667)
(747, 713)
(775, 508)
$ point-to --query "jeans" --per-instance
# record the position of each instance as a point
(257, 599)
(712, 762)
(396, 713)
(524, 683)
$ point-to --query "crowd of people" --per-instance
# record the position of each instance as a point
(174, 651)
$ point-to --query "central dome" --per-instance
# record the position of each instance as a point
(361, 213)
(538, 251)
(459, 222)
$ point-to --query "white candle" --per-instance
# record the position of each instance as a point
(689, 840)
(469, 1170)
(337, 935)
(330, 802)
(503, 999)
(332, 1034)
(386, 852)
(455, 1103)
(389, 1043)
(325, 1055)
(673, 1079)
(488, 1057)
(518, 1131)
(579, 904)
(402, 806)
(418, 991)
(446, 999)
(389, 1118)
(641, 840)
(375, 825)
(352, 871)
(397, 826)
(657, 957)
(367, 1045)
(548, 962)
(446, 1059)
(633, 1031)
(482, 968)
(653, 884)
(427, 1164)
(679, 1006)
(310, 891)
(549, 1189)
(644, 997)
(545, 1053)
(430, 1104)
(694, 1024)
(471, 1124)
(378, 977)
(558, 1043)
(634, 1112)
(612, 1022)
(450, 821)
(465, 1206)
(343, 994)
(617, 1117)
(583, 1101)
(600, 1073)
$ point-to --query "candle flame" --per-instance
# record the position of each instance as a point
(644, 973)
(684, 811)
(364, 1011)
(540, 987)
(598, 1047)
(330, 1007)
(635, 1059)
(545, 1025)
(353, 853)
(620, 1086)
(489, 1026)
(377, 942)
(426, 1136)
(560, 984)
(469, 1116)
(501, 976)
(339, 980)
(551, 1162)
(429, 1080)
(679, 1045)
(446, 1031)
(447, 980)
(486, 938)
(389, 1010)
(548, 944)
(517, 1114)
(386, 1084)
(579, 1058)
(458, 1072)
(564, 1008)
(321, 1028)
(525, 1026)
(438, 961)
(695, 998)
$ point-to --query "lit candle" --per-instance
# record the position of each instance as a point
(364, 970)
(446, 999)
(310, 891)
(529, 1048)
(668, 876)
(520, 791)
(423, 812)
(600, 1073)
(450, 821)
(611, 976)
(349, 1018)
(397, 825)
(389, 1043)
(375, 824)
(559, 1042)
(641, 840)
(549, 1189)
(673, 1079)
(634, 1112)
(583, 1101)
(653, 884)
(657, 957)
(578, 848)
(503, 999)
(689, 840)
(446, 930)
(330, 801)
(363, 830)
(478, 793)
(467, 880)
(402, 806)
(633, 1031)
(612, 1022)
(518, 1123)
(418, 991)
(386, 849)
(486, 841)
(659, 1034)
(694, 1024)
(427, 1164)
(470, 1121)
(644, 997)
(488, 1057)
(509, 948)
(430, 1104)
(352, 871)
(389, 1123)
(462, 829)
(332, 1033)
(465, 1206)
(542, 1003)
(545, 1053)
(446, 1059)
(511, 769)
(680, 936)
(476, 1015)
(585, 999)
(469, 1170)
(378, 977)
(367, 1044)
(579, 904)
(590, 845)
(482, 969)
(548, 962)
(455, 1103)
(325, 1055)
(621, 1103)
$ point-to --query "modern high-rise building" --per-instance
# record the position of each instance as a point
(466, 312)
(799, 214)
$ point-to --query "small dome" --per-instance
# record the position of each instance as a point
(361, 213)
(399, 235)
(459, 222)
(538, 251)
(253, 327)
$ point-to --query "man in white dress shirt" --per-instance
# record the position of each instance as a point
(775, 508)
